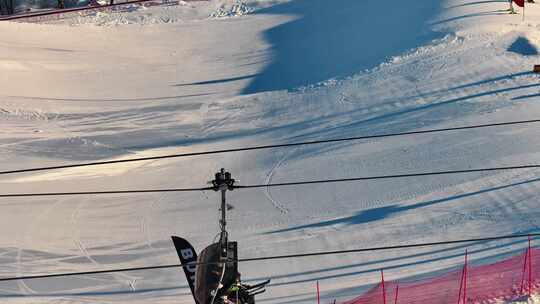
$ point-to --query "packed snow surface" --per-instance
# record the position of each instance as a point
(195, 76)
(532, 300)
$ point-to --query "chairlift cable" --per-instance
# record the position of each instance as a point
(209, 152)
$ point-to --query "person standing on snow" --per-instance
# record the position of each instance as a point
(511, 9)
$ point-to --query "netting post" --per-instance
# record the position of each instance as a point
(318, 294)
(465, 270)
(461, 285)
(524, 272)
(530, 267)
(383, 287)
(397, 292)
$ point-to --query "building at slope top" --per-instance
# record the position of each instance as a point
(6, 7)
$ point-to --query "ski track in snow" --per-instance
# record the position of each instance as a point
(121, 277)
(23, 286)
(268, 180)
(145, 215)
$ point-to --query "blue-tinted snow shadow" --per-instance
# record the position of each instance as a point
(420, 113)
(290, 132)
(4, 294)
(376, 214)
(482, 14)
(319, 127)
(429, 256)
(523, 46)
(493, 255)
(216, 81)
(478, 83)
(340, 38)
(326, 273)
(425, 255)
(478, 3)
(316, 127)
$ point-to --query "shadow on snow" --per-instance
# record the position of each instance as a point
(375, 214)
(340, 38)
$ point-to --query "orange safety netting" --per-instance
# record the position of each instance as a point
(514, 277)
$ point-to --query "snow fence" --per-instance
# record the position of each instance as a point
(515, 278)
(48, 10)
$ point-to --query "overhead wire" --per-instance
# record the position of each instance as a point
(106, 192)
(371, 249)
(300, 255)
(261, 147)
(353, 179)
(280, 257)
(295, 183)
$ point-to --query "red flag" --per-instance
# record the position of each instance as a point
(520, 3)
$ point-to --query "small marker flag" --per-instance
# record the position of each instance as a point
(520, 3)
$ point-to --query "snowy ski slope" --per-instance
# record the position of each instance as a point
(222, 74)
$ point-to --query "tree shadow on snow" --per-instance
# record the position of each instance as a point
(376, 214)
(450, 253)
(404, 114)
(478, 3)
(339, 38)
(483, 14)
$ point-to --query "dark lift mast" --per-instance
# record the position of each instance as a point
(213, 276)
